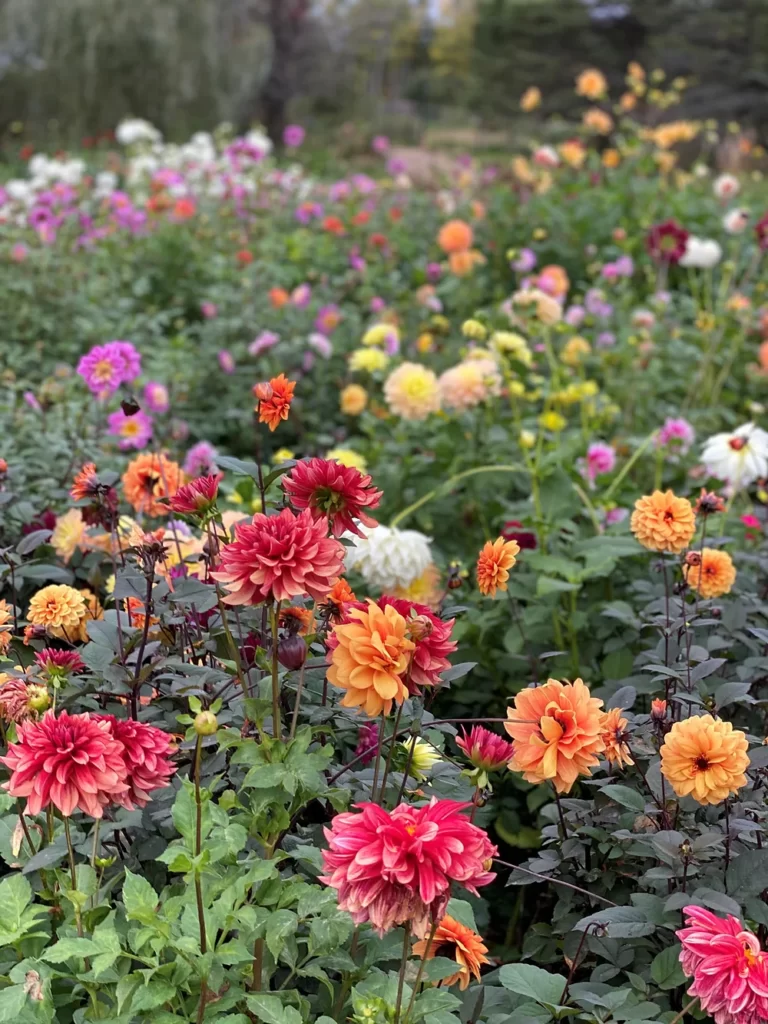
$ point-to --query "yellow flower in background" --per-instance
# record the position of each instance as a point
(575, 350)
(353, 399)
(423, 756)
(522, 170)
(369, 360)
(474, 329)
(598, 120)
(705, 758)
(513, 345)
(627, 102)
(530, 99)
(59, 609)
(348, 457)
(425, 589)
(527, 439)
(553, 421)
(635, 71)
(69, 534)
(379, 334)
(574, 153)
(412, 392)
(591, 84)
(611, 158)
(665, 161)
(282, 455)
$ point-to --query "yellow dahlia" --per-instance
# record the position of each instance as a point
(59, 609)
(412, 391)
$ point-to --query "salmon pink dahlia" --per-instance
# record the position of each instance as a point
(71, 761)
(279, 557)
(147, 752)
(329, 490)
(395, 866)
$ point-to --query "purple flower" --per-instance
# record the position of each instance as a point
(293, 135)
(367, 742)
(380, 144)
(377, 304)
(32, 402)
(134, 431)
(396, 166)
(307, 212)
(301, 296)
(609, 271)
(226, 361)
(129, 357)
(201, 460)
(574, 315)
(601, 458)
(339, 190)
(209, 310)
(356, 261)
(677, 434)
(606, 339)
(625, 266)
(392, 343)
(102, 369)
(525, 261)
(328, 319)
(263, 343)
(434, 271)
(616, 515)
(307, 361)
(156, 396)
(320, 344)
(363, 184)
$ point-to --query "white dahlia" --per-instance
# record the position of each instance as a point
(739, 457)
(387, 557)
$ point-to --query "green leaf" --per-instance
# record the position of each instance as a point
(532, 982)
(439, 967)
(748, 874)
(279, 926)
(666, 970)
(462, 912)
(270, 1009)
(548, 585)
(70, 947)
(618, 923)
(15, 896)
(12, 1002)
(139, 898)
(625, 796)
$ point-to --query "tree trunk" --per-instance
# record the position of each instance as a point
(285, 19)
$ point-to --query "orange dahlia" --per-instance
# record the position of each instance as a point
(276, 408)
(6, 626)
(457, 942)
(59, 610)
(557, 731)
(663, 522)
(149, 478)
(455, 236)
(369, 657)
(494, 563)
(613, 733)
(712, 575)
(705, 758)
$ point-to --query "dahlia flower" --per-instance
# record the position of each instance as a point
(387, 557)
(469, 383)
(676, 433)
(200, 460)
(353, 399)
(59, 663)
(197, 497)
(426, 589)
(86, 483)
(276, 408)
(591, 84)
(433, 645)
(134, 431)
(556, 730)
(333, 492)
(711, 573)
(59, 609)
(71, 761)
(368, 360)
(68, 534)
(728, 967)
(601, 458)
(614, 735)
(705, 758)
(493, 564)
(367, 743)
(726, 186)
(663, 522)
(147, 751)
(666, 242)
(484, 749)
(395, 866)
(457, 942)
(14, 699)
(701, 253)
(156, 396)
(279, 557)
(412, 391)
(149, 478)
(105, 367)
(369, 655)
(455, 236)
(739, 457)
(530, 99)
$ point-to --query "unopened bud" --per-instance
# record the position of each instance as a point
(262, 391)
(292, 652)
(658, 710)
(39, 698)
(693, 558)
(206, 723)
(420, 627)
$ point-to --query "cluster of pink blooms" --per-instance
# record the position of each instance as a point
(728, 967)
(86, 762)
(601, 458)
(390, 867)
(105, 367)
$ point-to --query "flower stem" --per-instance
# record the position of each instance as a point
(274, 616)
(403, 964)
(73, 874)
(198, 882)
(444, 487)
(420, 972)
(297, 705)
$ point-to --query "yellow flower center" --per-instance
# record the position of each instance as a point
(102, 371)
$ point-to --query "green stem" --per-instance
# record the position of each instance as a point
(403, 964)
(449, 483)
(73, 874)
(198, 881)
(620, 478)
(274, 618)
(420, 972)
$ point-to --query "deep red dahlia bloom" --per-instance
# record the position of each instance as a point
(396, 866)
(666, 241)
(430, 657)
(197, 497)
(329, 490)
(484, 749)
(59, 663)
(147, 756)
(761, 230)
(513, 530)
(277, 558)
(71, 761)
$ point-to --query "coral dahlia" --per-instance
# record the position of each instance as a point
(493, 564)
(197, 497)
(713, 573)
(705, 758)
(329, 490)
(149, 478)
(458, 942)
(433, 643)
(147, 752)
(276, 408)
(614, 735)
(395, 866)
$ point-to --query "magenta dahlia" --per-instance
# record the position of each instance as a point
(340, 494)
(197, 497)
(666, 241)
(484, 749)
(54, 662)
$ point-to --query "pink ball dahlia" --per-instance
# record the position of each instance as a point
(147, 752)
(279, 557)
(395, 866)
(329, 490)
(729, 970)
(71, 761)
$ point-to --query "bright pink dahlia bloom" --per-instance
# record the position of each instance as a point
(484, 749)
(198, 496)
(396, 866)
(55, 662)
(430, 656)
(71, 761)
(279, 557)
(340, 494)
(147, 753)
(729, 970)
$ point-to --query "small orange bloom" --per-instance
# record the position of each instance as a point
(554, 280)
(658, 709)
(184, 208)
(334, 225)
(530, 99)
(494, 563)
(370, 657)
(149, 478)
(557, 731)
(340, 596)
(614, 735)
(713, 576)
(84, 483)
(274, 409)
(297, 618)
(598, 120)
(455, 236)
(611, 158)
(591, 84)
(464, 262)
(663, 522)
(457, 942)
(705, 758)
(278, 297)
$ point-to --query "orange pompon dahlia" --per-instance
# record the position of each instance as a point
(369, 656)
(705, 758)
(276, 408)
(59, 609)
(455, 236)
(614, 735)
(663, 522)
(457, 942)
(149, 478)
(493, 564)
(712, 575)
(557, 731)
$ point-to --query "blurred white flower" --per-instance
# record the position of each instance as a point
(726, 186)
(735, 221)
(739, 457)
(387, 557)
(135, 129)
(701, 253)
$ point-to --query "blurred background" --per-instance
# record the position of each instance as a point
(428, 72)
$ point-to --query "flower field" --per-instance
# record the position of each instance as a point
(384, 611)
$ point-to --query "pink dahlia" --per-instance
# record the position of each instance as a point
(102, 369)
(484, 749)
(396, 866)
(197, 497)
(279, 557)
(14, 700)
(329, 490)
(729, 970)
(71, 761)
(433, 641)
(601, 458)
(147, 752)
(54, 662)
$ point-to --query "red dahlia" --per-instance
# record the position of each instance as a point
(761, 230)
(329, 490)
(666, 241)
(279, 557)
(147, 757)
(197, 497)
(513, 530)
(484, 749)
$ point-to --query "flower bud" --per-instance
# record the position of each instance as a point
(262, 391)
(658, 709)
(39, 698)
(419, 627)
(206, 723)
(292, 651)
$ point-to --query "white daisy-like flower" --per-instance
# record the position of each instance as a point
(739, 457)
(702, 253)
(387, 557)
(726, 186)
